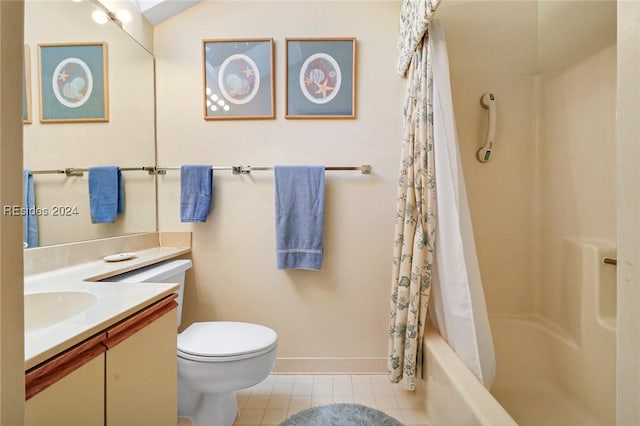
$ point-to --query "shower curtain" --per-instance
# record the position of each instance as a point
(415, 227)
(434, 250)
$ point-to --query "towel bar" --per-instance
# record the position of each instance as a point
(365, 169)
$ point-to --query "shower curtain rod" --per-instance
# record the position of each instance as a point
(365, 169)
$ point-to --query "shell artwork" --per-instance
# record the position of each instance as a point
(74, 90)
(238, 79)
(72, 82)
(237, 86)
(316, 75)
(320, 78)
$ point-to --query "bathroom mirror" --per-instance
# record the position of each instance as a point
(125, 138)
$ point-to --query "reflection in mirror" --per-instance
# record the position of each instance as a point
(124, 137)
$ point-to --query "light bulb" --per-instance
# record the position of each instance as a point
(100, 16)
(123, 16)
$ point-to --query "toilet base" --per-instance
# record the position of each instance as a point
(216, 409)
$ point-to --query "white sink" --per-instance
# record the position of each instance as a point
(48, 308)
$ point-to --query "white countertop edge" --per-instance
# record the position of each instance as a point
(116, 301)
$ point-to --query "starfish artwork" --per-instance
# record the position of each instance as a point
(248, 72)
(63, 76)
(323, 88)
(320, 78)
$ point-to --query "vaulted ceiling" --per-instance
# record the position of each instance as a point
(157, 11)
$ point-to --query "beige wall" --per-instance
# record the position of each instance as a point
(339, 311)
(11, 288)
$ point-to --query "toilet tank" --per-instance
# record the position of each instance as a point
(169, 271)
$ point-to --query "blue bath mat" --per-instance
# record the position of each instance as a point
(341, 415)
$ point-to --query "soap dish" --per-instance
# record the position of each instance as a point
(119, 257)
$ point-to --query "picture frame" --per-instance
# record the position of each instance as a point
(320, 78)
(26, 87)
(238, 79)
(73, 82)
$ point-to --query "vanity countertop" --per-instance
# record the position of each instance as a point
(115, 301)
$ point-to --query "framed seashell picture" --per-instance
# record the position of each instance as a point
(320, 78)
(26, 87)
(238, 79)
(73, 82)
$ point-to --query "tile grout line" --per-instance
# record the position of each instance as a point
(313, 390)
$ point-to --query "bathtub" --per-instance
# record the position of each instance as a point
(453, 396)
(546, 374)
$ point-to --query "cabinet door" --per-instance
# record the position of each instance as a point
(141, 375)
(75, 400)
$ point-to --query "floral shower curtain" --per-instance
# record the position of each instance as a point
(415, 228)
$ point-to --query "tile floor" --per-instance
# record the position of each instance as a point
(280, 396)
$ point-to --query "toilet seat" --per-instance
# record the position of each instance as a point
(223, 341)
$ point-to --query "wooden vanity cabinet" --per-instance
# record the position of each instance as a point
(141, 368)
(69, 388)
(123, 376)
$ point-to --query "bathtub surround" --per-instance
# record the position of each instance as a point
(299, 199)
(574, 378)
(196, 192)
(550, 181)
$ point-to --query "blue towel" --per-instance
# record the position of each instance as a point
(30, 224)
(106, 193)
(196, 192)
(299, 216)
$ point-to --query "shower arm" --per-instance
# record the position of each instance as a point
(488, 101)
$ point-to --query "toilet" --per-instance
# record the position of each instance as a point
(215, 358)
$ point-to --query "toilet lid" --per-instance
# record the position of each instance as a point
(225, 339)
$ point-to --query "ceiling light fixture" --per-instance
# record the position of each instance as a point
(100, 17)
(123, 16)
